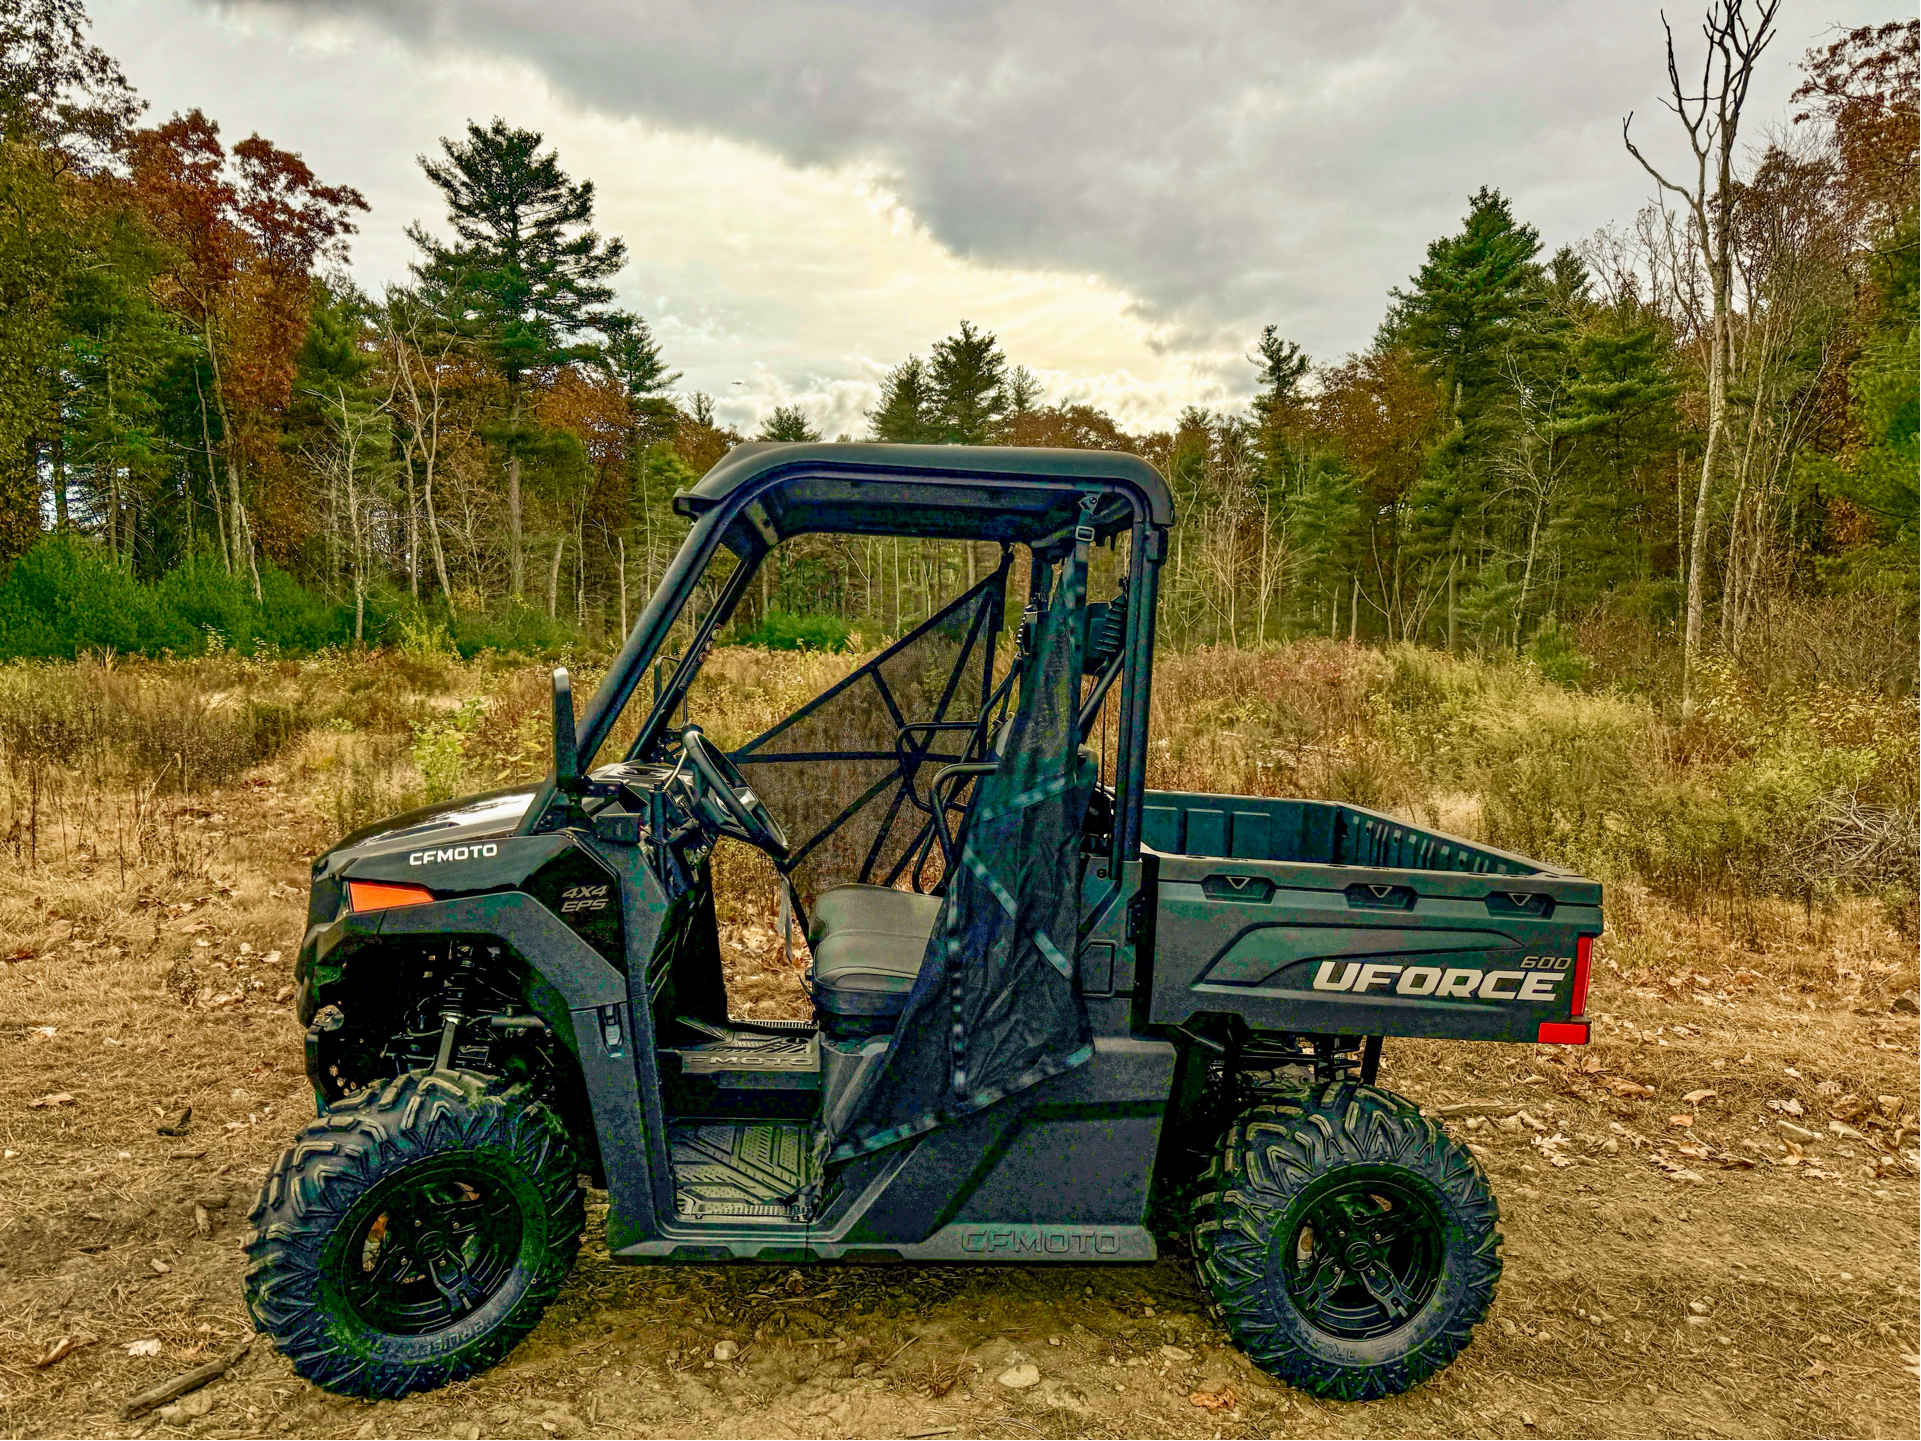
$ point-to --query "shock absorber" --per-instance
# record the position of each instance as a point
(453, 1009)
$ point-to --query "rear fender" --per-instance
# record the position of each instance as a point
(1359, 951)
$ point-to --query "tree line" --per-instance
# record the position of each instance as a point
(1686, 419)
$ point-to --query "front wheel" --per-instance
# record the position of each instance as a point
(414, 1234)
(1349, 1243)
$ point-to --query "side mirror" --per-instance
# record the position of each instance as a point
(566, 738)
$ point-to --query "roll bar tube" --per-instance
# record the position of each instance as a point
(656, 621)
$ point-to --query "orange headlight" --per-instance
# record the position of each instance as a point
(383, 895)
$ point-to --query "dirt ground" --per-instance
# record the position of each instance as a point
(1710, 1214)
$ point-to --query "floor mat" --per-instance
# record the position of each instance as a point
(743, 1170)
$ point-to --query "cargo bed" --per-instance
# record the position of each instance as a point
(1316, 917)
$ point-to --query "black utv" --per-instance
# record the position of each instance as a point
(1055, 1012)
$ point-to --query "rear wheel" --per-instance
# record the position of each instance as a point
(1349, 1243)
(414, 1234)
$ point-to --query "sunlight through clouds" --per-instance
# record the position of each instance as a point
(805, 284)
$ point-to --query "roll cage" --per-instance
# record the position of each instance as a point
(763, 494)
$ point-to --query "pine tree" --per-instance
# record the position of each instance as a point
(788, 422)
(526, 274)
(1022, 393)
(1467, 300)
(1458, 324)
(907, 413)
(968, 378)
(1282, 365)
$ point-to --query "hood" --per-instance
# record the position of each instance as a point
(493, 813)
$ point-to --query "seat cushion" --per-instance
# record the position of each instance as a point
(868, 942)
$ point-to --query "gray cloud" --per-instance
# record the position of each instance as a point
(1226, 163)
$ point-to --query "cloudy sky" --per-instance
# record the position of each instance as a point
(1124, 190)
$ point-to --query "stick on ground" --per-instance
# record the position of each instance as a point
(144, 1401)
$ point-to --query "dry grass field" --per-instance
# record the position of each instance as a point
(1710, 1213)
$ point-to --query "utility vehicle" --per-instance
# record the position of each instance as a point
(1055, 1013)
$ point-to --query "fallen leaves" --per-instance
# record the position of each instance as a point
(1789, 1107)
(1674, 1169)
(1213, 1400)
(58, 1098)
(42, 1033)
(1628, 1090)
(1695, 1098)
(58, 1351)
(1550, 1148)
(149, 1347)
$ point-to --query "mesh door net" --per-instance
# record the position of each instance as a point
(994, 1009)
(848, 772)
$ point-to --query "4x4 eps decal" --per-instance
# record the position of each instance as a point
(585, 898)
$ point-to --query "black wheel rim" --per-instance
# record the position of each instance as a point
(426, 1248)
(1362, 1255)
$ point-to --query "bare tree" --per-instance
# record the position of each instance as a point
(1737, 31)
(419, 379)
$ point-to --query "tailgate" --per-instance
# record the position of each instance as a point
(1332, 919)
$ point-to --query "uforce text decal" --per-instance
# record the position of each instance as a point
(454, 853)
(1536, 981)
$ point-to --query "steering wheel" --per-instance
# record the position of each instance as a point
(729, 800)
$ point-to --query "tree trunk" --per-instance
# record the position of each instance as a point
(433, 534)
(1710, 456)
(516, 560)
(60, 519)
(213, 481)
(1354, 612)
(553, 577)
(1527, 573)
(1453, 611)
(413, 531)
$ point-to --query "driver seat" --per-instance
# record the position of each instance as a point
(868, 942)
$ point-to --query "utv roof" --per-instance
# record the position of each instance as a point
(946, 492)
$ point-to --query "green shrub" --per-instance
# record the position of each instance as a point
(778, 630)
(294, 619)
(515, 629)
(66, 597)
(1557, 657)
(201, 605)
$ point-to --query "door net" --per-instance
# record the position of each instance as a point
(848, 772)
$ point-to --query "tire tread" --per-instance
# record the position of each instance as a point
(313, 1185)
(1268, 1155)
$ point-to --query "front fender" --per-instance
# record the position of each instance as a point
(583, 998)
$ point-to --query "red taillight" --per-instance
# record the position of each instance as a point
(1583, 957)
(1562, 1033)
(383, 896)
